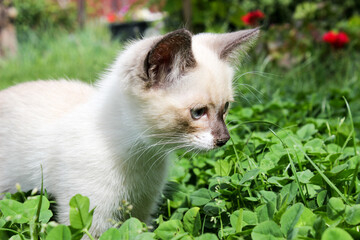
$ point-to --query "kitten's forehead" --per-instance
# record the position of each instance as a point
(211, 80)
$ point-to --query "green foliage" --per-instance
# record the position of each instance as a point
(219, 15)
(29, 219)
(58, 54)
(60, 232)
(43, 14)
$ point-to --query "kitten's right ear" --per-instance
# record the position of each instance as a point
(229, 46)
(171, 54)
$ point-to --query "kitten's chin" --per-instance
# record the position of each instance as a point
(203, 141)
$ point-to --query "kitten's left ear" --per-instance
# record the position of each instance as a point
(229, 45)
(172, 54)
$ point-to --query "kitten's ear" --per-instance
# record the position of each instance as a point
(230, 45)
(171, 54)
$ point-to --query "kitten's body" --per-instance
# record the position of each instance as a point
(111, 142)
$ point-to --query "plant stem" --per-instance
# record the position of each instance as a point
(241, 170)
(86, 231)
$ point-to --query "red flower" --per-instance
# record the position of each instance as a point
(252, 18)
(111, 17)
(336, 40)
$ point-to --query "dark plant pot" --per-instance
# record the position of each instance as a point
(128, 30)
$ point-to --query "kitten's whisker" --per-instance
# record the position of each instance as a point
(245, 98)
(259, 73)
(251, 87)
(252, 92)
(139, 136)
(165, 153)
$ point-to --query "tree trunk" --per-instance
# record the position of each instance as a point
(8, 41)
(81, 17)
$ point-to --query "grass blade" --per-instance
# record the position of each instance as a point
(352, 125)
(293, 169)
(352, 183)
(327, 180)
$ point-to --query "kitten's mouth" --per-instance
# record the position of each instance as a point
(206, 141)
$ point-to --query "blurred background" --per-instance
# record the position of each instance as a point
(305, 45)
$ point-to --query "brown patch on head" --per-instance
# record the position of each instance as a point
(184, 125)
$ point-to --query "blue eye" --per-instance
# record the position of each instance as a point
(197, 113)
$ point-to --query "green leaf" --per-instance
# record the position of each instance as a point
(31, 205)
(314, 146)
(207, 236)
(238, 225)
(335, 208)
(306, 131)
(214, 208)
(248, 218)
(320, 199)
(290, 218)
(219, 183)
(266, 212)
(169, 230)
(267, 230)
(192, 221)
(130, 229)
(319, 227)
(223, 167)
(146, 236)
(352, 214)
(278, 181)
(201, 197)
(80, 217)
(176, 192)
(13, 210)
(269, 161)
(250, 175)
(111, 234)
(178, 214)
(60, 232)
(2, 222)
(339, 168)
(307, 218)
(305, 176)
(289, 191)
(16, 237)
(336, 234)
(268, 196)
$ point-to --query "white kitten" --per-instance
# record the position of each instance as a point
(111, 142)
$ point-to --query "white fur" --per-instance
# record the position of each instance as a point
(108, 142)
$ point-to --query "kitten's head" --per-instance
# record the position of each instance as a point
(183, 86)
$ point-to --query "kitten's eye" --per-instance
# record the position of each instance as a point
(197, 113)
(226, 107)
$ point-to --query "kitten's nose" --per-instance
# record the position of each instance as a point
(222, 141)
